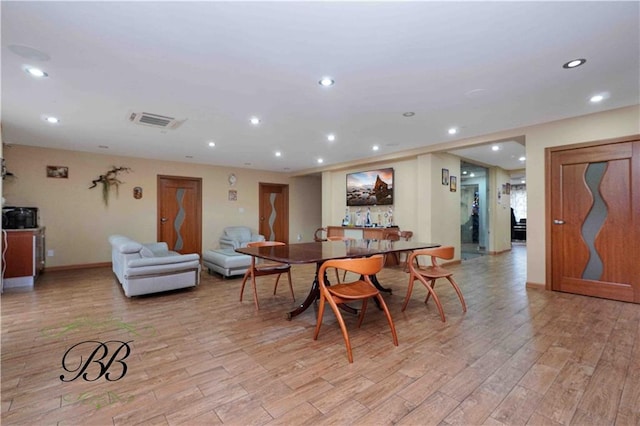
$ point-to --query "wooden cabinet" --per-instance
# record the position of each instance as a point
(356, 232)
(24, 257)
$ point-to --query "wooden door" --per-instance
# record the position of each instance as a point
(595, 220)
(274, 212)
(180, 213)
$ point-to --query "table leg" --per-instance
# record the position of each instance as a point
(313, 295)
(376, 283)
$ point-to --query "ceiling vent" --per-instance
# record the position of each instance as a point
(155, 120)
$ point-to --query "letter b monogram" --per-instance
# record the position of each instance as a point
(97, 363)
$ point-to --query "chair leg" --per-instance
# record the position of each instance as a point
(363, 309)
(255, 291)
(244, 281)
(435, 297)
(457, 289)
(389, 320)
(291, 285)
(320, 314)
(275, 287)
(409, 290)
(343, 328)
(432, 283)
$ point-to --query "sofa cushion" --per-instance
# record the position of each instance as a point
(146, 252)
(129, 247)
(239, 233)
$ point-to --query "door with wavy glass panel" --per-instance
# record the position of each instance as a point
(595, 220)
(274, 212)
(180, 213)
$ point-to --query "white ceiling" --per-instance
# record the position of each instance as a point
(480, 66)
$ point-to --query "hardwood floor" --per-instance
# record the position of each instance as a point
(518, 356)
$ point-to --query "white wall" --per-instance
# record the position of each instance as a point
(421, 171)
(78, 223)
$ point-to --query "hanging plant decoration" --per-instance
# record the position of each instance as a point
(108, 180)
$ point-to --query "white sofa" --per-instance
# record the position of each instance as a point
(234, 237)
(151, 268)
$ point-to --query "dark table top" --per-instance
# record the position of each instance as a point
(326, 250)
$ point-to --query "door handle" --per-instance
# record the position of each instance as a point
(558, 222)
(163, 219)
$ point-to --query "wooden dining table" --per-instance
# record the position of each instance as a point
(321, 251)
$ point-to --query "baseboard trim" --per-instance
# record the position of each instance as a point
(493, 253)
(71, 267)
(536, 286)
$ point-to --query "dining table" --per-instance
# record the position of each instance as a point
(320, 251)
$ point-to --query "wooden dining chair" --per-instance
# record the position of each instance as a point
(362, 289)
(340, 238)
(261, 267)
(429, 274)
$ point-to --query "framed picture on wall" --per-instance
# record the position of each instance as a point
(58, 172)
(453, 186)
(445, 176)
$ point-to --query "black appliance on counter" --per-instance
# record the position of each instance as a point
(19, 217)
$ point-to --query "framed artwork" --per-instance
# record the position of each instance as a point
(233, 195)
(445, 176)
(61, 172)
(453, 186)
(370, 188)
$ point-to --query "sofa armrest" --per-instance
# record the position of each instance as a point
(164, 260)
(256, 237)
(229, 243)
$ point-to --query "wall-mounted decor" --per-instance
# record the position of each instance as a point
(108, 180)
(233, 195)
(58, 172)
(374, 187)
(137, 192)
(445, 176)
(453, 184)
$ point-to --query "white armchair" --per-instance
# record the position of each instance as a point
(234, 237)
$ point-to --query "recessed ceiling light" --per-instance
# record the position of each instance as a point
(331, 137)
(522, 158)
(375, 147)
(409, 114)
(495, 148)
(188, 156)
(472, 175)
(523, 181)
(574, 63)
(254, 120)
(464, 172)
(212, 144)
(103, 147)
(326, 82)
(247, 164)
(278, 154)
(596, 98)
(36, 72)
(52, 120)
(320, 161)
(453, 131)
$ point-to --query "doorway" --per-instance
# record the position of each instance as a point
(593, 221)
(274, 212)
(180, 213)
(474, 219)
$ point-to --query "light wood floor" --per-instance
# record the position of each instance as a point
(518, 356)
